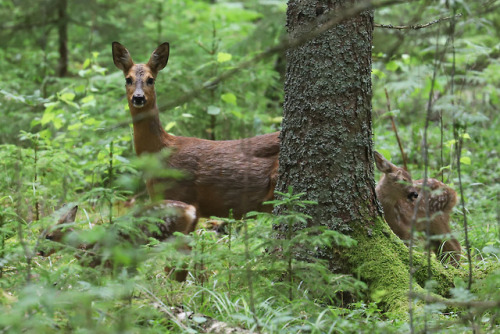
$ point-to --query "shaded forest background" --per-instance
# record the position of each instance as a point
(66, 137)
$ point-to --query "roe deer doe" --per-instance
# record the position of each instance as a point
(169, 217)
(220, 175)
(396, 192)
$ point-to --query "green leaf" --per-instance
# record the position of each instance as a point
(378, 73)
(46, 134)
(74, 127)
(47, 117)
(67, 97)
(229, 98)
(170, 125)
(222, 57)
(86, 63)
(79, 89)
(88, 99)
(213, 110)
(392, 66)
(58, 123)
(465, 160)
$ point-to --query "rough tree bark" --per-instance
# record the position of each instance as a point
(327, 149)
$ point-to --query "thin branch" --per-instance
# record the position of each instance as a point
(479, 304)
(417, 26)
(391, 117)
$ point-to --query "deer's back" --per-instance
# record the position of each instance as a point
(224, 175)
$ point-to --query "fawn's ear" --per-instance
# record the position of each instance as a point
(69, 217)
(382, 163)
(159, 58)
(121, 57)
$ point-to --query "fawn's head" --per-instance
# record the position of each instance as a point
(396, 182)
(58, 231)
(140, 78)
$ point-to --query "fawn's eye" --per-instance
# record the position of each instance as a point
(128, 81)
(150, 81)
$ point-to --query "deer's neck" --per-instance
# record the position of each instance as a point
(149, 135)
(388, 203)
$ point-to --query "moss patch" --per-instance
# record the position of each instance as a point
(381, 259)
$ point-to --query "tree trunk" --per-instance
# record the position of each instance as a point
(62, 30)
(327, 149)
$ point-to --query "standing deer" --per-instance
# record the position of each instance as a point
(169, 217)
(396, 192)
(219, 175)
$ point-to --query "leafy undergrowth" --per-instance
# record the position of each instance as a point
(244, 278)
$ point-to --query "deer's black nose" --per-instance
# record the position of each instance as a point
(139, 100)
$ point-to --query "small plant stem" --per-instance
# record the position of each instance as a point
(249, 274)
(394, 128)
(110, 182)
(37, 204)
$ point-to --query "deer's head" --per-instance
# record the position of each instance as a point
(396, 183)
(140, 78)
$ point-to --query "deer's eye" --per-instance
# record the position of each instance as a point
(150, 81)
(128, 81)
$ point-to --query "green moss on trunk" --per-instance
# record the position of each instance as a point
(382, 260)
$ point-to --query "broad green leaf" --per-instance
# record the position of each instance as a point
(47, 117)
(229, 98)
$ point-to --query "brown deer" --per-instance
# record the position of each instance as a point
(169, 217)
(397, 193)
(219, 175)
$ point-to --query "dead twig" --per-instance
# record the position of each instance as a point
(417, 26)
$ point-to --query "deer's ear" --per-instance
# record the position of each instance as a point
(69, 217)
(382, 163)
(159, 58)
(121, 57)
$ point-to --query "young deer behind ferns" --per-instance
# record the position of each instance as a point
(397, 193)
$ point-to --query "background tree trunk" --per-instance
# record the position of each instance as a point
(327, 149)
(62, 30)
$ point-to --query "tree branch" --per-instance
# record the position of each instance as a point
(480, 304)
(417, 26)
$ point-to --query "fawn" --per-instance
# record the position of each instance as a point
(169, 217)
(397, 192)
(219, 175)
